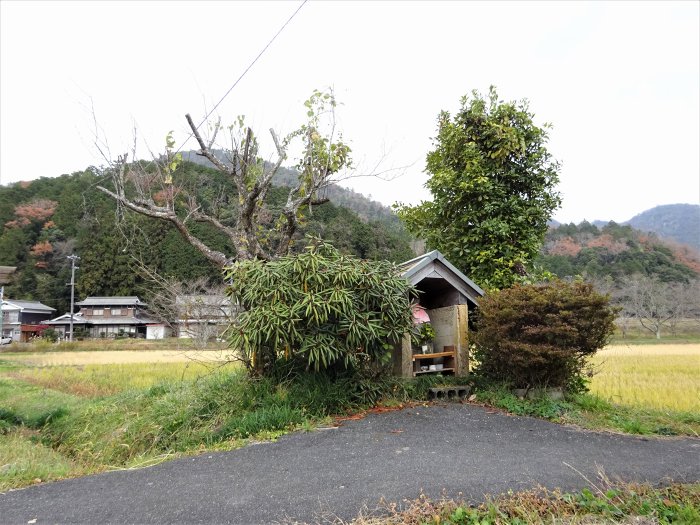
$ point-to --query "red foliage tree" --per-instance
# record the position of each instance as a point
(566, 247)
(37, 210)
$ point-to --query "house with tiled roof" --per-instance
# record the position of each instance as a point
(23, 320)
(115, 316)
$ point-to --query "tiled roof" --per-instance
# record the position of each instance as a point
(30, 305)
(65, 319)
(112, 301)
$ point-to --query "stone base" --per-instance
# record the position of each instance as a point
(449, 392)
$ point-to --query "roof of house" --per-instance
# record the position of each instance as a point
(131, 300)
(419, 268)
(211, 300)
(65, 319)
(29, 306)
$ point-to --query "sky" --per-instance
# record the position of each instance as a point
(618, 81)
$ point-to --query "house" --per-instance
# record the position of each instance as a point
(203, 316)
(446, 295)
(23, 320)
(62, 324)
(115, 316)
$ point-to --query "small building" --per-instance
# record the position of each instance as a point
(23, 320)
(115, 316)
(447, 295)
(158, 331)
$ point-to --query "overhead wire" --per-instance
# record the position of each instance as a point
(269, 43)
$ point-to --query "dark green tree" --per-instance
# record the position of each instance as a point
(493, 185)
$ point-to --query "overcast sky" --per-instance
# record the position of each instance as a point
(618, 81)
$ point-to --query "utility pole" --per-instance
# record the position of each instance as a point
(2, 297)
(73, 267)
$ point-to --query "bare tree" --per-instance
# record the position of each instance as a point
(651, 302)
(685, 300)
(150, 188)
(197, 309)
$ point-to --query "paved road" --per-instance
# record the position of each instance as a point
(455, 448)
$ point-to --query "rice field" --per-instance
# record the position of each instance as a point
(664, 376)
(95, 374)
(116, 357)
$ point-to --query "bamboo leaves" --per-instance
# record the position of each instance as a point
(319, 306)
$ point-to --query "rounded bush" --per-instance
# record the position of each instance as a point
(539, 335)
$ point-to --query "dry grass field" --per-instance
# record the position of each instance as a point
(116, 357)
(664, 376)
(94, 373)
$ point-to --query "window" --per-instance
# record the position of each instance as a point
(98, 311)
(116, 311)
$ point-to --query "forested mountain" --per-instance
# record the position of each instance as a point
(680, 222)
(45, 220)
(616, 251)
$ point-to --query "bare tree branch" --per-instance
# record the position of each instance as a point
(204, 150)
(158, 194)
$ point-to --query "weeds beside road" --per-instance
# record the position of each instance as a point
(601, 503)
(64, 421)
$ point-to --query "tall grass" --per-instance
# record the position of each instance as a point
(25, 460)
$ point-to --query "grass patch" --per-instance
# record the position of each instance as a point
(109, 357)
(24, 460)
(610, 503)
(593, 412)
(115, 416)
(32, 407)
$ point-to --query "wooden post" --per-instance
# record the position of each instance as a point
(463, 340)
(402, 356)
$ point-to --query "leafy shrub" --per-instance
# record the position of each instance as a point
(540, 335)
(320, 307)
(49, 335)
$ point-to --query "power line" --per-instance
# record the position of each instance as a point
(245, 71)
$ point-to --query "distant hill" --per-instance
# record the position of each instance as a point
(680, 222)
(616, 251)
